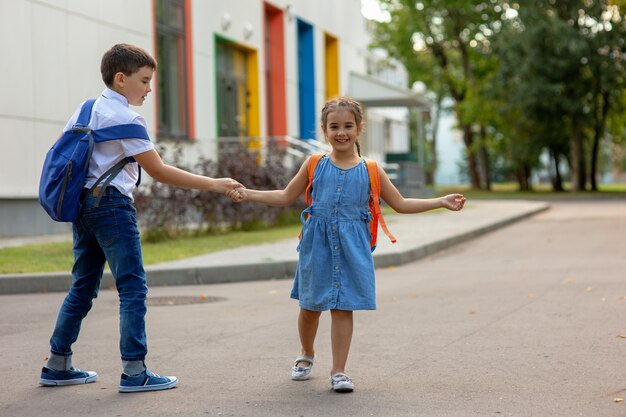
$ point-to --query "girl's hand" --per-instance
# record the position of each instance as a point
(454, 202)
(237, 195)
(224, 185)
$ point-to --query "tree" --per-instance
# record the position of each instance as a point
(526, 77)
(606, 29)
(566, 60)
(537, 55)
(438, 41)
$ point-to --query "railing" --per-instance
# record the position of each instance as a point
(294, 150)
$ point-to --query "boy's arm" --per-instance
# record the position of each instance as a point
(151, 162)
(285, 197)
(390, 194)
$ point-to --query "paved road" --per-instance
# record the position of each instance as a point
(524, 321)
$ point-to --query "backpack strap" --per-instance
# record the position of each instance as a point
(372, 171)
(310, 170)
(85, 113)
(125, 131)
(108, 176)
(82, 126)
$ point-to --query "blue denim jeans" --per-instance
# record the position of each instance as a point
(107, 233)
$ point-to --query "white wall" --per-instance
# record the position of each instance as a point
(51, 62)
(52, 51)
(56, 47)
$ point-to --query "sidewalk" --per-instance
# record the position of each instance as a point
(418, 236)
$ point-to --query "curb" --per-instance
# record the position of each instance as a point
(61, 281)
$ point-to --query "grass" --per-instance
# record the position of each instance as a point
(540, 192)
(57, 257)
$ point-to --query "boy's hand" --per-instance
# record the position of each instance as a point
(454, 202)
(223, 185)
(237, 194)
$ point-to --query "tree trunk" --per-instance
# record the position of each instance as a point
(468, 139)
(578, 159)
(432, 166)
(483, 155)
(597, 137)
(522, 174)
(557, 179)
(594, 159)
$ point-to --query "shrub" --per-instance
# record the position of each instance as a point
(167, 212)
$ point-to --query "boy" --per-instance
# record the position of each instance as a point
(106, 231)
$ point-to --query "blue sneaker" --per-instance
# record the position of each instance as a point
(146, 381)
(50, 377)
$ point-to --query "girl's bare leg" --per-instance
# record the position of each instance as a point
(341, 337)
(308, 321)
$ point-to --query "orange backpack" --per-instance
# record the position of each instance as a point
(374, 203)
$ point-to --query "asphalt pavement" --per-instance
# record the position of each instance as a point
(527, 320)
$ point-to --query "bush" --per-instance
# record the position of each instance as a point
(167, 212)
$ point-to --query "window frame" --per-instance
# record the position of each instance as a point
(165, 34)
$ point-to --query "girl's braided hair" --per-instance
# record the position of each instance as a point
(345, 103)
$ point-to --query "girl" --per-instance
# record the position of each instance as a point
(335, 270)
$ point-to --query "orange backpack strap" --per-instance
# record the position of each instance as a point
(372, 171)
(310, 170)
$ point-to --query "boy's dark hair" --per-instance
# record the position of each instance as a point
(124, 58)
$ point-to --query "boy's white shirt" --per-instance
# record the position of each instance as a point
(112, 109)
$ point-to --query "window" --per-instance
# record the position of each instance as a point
(173, 92)
(237, 87)
(232, 90)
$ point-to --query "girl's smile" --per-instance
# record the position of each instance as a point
(341, 129)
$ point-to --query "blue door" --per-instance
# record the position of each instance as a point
(306, 80)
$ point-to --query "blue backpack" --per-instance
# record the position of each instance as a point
(65, 168)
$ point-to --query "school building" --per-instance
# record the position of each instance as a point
(245, 69)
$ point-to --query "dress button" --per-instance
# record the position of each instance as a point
(338, 189)
(337, 286)
(342, 172)
(336, 267)
(336, 247)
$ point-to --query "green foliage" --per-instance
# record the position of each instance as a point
(446, 44)
(167, 212)
(528, 77)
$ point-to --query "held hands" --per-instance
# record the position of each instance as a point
(454, 202)
(237, 194)
(224, 185)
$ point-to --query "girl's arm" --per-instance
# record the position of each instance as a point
(390, 194)
(152, 163)
(285, 197)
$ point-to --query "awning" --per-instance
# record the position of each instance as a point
(371, 92)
